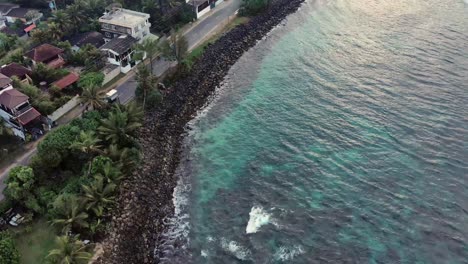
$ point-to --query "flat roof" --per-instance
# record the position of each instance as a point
(124, 17)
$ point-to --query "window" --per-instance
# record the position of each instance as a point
(203, 6)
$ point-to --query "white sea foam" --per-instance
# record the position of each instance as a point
(258, 218)
(288, 253)
(204, 253)
(239, 251)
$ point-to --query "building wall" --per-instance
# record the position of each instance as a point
(67, 107)
(110, 75)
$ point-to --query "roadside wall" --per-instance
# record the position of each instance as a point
(65, 108)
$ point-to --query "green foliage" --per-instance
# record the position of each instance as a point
(147, 82)
(69, 250)
(56, 146)
(20, 183)
(253, 7)
(120, 127)
(91, 79)
(99, 195)
(8, 252)
(44, 73)
(70, 214)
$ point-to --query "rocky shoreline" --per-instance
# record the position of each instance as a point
(145, 198)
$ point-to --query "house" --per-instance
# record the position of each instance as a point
(66, 81)
(201, 7)
(4, 9)
(19, 32)
(118, 21)
(26, 15)
(17, 70)
(5, 82)
(79, 40)
(47, 54)
(18, 113)
(119, 52)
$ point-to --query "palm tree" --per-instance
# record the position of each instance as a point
(87, 142)
(134, 112)
(146, 82)
(93, 96)
(61, 19)
(71, 214)
(69, 250)
(122, 156)
(150, 47)
(76, 15)
(110, 172)
(118, 128)
(99, 196)
(54, 31)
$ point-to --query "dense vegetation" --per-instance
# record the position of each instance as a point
(8, 252)
(74, 177)
(253, 7)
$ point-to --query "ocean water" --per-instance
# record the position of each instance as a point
(342, 137)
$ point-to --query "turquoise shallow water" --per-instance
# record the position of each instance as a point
(341, 138)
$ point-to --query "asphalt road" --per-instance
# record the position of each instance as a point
(200, 31)
(195, 35)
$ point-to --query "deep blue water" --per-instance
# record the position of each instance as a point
(340, 138)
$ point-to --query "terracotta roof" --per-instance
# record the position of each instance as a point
(43, 52)
(57, 63)
(4, 80)
(67, 80)
(15, 69)
(28, 116)
(119, 45)
(29, 28)
(11, 98)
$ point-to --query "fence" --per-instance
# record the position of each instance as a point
(64, 108)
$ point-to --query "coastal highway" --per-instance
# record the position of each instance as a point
(198, 32)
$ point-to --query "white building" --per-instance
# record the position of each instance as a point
(119, 51)
(118, 21)
(201, 7)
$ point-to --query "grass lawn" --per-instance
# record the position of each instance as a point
(35, 244)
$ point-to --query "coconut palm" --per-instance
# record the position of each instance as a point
(87, 142)
(134, 112)
(69, 250)
(99, 195)
(61, 19)
(118, 128)
(150, 47)
(70, 214)
(110, 172)
(146, 82)
(76, 14)
(54, 31)
(93, 96)
(123, 156)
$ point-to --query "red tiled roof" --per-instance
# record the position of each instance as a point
(57, 63)
(4, 80)
(15, 69)
(11, 98)
(28, 116)
(43, 52)
(67, 80)
(29, 28)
